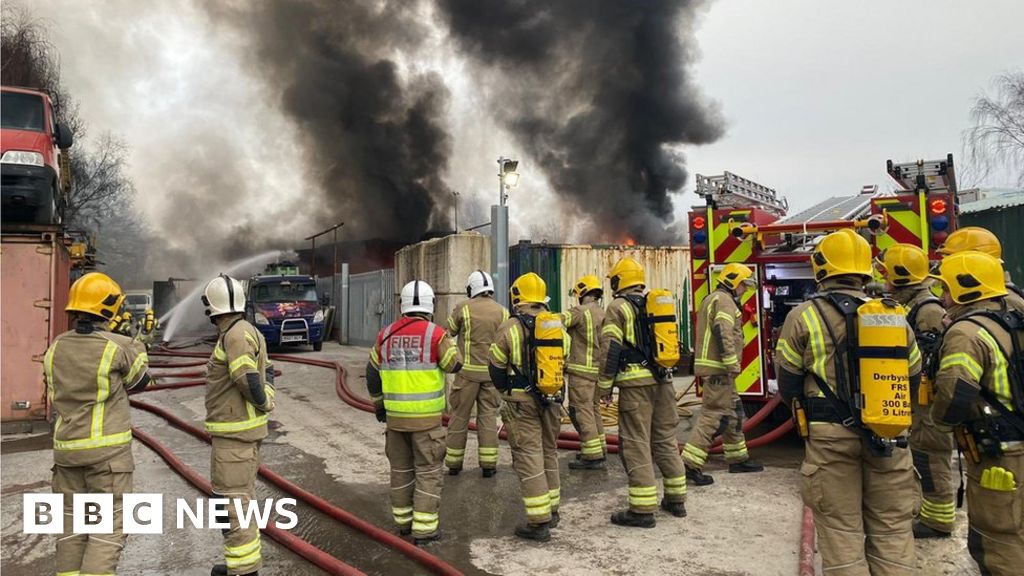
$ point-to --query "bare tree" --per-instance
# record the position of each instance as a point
(997, 138)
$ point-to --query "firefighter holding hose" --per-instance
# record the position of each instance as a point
(527, 362)
(846, 365)
(405, 379)
(906, 275)
(475, 322)
(647, 401)
(719, 352)
(88, 373)
(980, 392)
(583, 323)
(239, 399)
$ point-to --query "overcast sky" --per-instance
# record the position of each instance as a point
(817, 96)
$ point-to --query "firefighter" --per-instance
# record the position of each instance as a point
(405, 379)
(533, 422)
(239, 399)
(583, 322)
(978, 390)
(647, 406)
(983, 240)
(475, 322)
(861, 491)
(719, 354)
(906, 274)
(88, 372)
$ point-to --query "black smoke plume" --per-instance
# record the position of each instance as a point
(375, 138)
(598, 92)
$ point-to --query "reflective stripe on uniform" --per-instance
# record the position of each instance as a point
(517, 353)
(817, 340)
(141, 360)
(48, 368)
(467, 325)
(612, 330)
(243, 361)
(488, 455)
(219, 353)
(253, 421)
(591, 447)
(245, 555)
(675, 486)
(402, 515)
(633, 372)
(446, 360)
(723, 316)
(630, 321)
(424, 522)
(730, 359)
(498, 354)
(735, 451)
(965, 361)
(643, 496)
(590, 340)
(695, 455)
(538, 505)
(939, 512)
(583, 369)
(96, 439)
(555, 496)
(789, 354)
(1001, 378)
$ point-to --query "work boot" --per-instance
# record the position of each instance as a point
(454, 471)
(222, 570)
(555, 519)
(698, 478)
(488, 472)
(581, 464)
(537, 532)
(745, 466)
(433, 537)
(923, 531)
(677, 509)
(405, 530)
(633, 519)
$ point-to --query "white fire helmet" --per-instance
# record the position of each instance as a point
(224, 295)
(479, 282)
(417, 296)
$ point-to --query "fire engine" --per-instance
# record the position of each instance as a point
(743, 221)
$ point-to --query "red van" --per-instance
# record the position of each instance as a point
(34, 170)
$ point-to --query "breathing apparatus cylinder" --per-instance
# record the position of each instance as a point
(664, 329)
(883, 367)
(549, 353)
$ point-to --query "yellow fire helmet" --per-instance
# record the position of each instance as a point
(626, 273)
(840, 253)
(971, 276)
(734, 274)
(972, 238)
(529, 289)
(586, 285)
(96, 294)
(905, 265)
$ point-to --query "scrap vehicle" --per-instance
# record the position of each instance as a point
(138, 301)
(743, 221)
(284, 305)
(34, 166)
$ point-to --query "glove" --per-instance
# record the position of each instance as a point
(998, 479)
(382, 415)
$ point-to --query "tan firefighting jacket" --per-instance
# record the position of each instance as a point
(510, 346)
(235, 375)
(87, 375)
(719, 347)
(583, 323)
(972, 358)
(475, 322)
(930, 315)
(805, 347)
(619, 331)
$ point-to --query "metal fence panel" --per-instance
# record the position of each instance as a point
(371, 305)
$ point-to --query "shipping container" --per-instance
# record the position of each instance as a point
(35, 271)
(1003, 216)
(560, 265)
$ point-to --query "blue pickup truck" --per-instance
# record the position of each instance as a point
(285, 307)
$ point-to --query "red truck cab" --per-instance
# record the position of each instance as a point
(34, 170)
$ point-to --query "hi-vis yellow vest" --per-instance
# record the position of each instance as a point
(411, 380)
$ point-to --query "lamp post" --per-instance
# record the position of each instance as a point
(456, 195)
(508, 178)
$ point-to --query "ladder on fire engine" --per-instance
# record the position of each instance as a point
(925, 175)
(731, 191)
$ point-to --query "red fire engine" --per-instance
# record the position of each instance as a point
(743, 221)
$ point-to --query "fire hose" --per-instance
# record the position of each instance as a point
(322, 559)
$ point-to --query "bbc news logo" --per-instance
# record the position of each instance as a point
(144, 513)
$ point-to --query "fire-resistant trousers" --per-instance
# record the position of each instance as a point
(996, 518)
(863, 503)
(416, 472)
(721, 415)
(463, 396)
(585, 414)
(233, 468)
(647, 428)
(533, 436)
(932, 451)
(92, 553)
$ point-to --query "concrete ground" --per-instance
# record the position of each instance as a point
(743, 524)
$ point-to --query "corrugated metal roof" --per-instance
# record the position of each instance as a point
(834, 208)
(1006, 200)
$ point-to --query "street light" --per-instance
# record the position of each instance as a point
(507, 177)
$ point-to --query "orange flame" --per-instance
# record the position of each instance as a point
(630, 241)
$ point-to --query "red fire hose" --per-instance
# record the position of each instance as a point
(322, 559)
(807, 543)
(425, 559)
